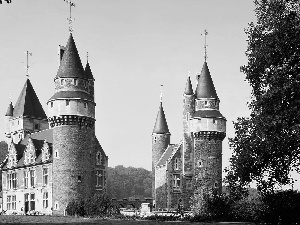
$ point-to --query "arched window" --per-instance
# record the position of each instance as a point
(98, 158)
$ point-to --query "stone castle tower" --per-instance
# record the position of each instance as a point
(72, 118)
(195, 164)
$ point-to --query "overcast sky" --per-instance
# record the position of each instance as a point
(134, 46)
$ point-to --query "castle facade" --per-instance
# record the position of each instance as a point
(54, 159)
(194, 165)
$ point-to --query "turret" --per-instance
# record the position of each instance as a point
(209, 130)
(72, 117)
(8, 117)
(160, 141)
(188, 112)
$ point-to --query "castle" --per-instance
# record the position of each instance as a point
(193, 166)
(56, 158)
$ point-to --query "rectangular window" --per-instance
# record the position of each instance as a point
(75, 81)
(84, 104)
(8, 206)
(32, 178)
(51, 104)
(36, 126)
(45, 176)
(67, 102)
(25, 179)
(176, 181)
(45, 200)
(32, 202)
(14, 180)
(100, 178)
(13, 202)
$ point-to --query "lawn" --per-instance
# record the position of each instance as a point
(10, 219)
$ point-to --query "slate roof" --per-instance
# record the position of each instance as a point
(10, 110)
(70, 95)
(70, 65)
(38, 141)
(28, 103)
(88, 71)
(205, 87)
(166, 155)
(209, 113)
(188, 88)
(161, 126)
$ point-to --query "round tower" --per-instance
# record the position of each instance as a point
(160, 141)
(188, 112)
(7, 121)
(72, 118)
(209, 130)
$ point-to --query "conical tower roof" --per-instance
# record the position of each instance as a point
(10, 110)
(88, 71)
(70, 65)
(205, 87)
(161, 126)
(28, 103)
(188, 88)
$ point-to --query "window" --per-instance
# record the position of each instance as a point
(67, 102)
(56, 154)
(98, 158)
(216, 184)
(214, 121)
(8, 206)
(100, 178)
(56, 205)
(45, 200)
(176, 164)
(26, 179)
(62, 81)
(84, 105)
(75, 81)
(36, 126)
(45, 176)
(32, 201)
(176, 181)
(14, 180)
(13, 202)
(188, 184)
(79, 179)
(51, 104)
(9, 181)
(32, 178)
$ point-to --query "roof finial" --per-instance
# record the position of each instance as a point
(161, 92)
(87, 56)
(188, 73)
(205, 45)
(10, 99)
(27, 63)
(70, 18)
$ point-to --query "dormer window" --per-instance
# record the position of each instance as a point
(176, 164)
(45, 152)
(29, 153)
(12, 156)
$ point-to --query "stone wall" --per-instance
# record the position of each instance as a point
(72, 167)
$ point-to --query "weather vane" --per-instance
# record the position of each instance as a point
(27, 64)
(161, 92)
(70, 18)
(205, 45)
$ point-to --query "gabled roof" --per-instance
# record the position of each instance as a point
(88, 71)
(70, 65)
(38, 141)
(188, 88)
(161, 126)
(205, 87)
(10, 110)
(28, 103)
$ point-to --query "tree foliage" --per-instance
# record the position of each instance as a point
(266, 145)
(127, 182)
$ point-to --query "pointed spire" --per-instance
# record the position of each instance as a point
(205, 87)
(188, 88)
(88, 71)
(161, 126)
(28, 103)
(70, 65)
(10, 110)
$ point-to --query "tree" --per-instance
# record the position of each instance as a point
(266, 146)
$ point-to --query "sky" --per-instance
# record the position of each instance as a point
(134, 46)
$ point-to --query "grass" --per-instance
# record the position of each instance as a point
(12, 219)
